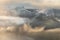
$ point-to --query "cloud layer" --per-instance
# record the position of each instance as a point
(39, 3)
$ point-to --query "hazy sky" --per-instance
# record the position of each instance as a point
(33, 2)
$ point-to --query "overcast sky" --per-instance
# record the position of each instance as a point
(33, 2)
